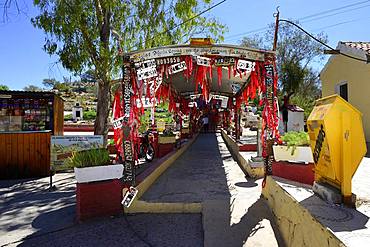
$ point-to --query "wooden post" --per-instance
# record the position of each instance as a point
(236, 122)
(129, 163)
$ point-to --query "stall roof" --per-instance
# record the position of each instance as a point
(35, 94)
(186, 86)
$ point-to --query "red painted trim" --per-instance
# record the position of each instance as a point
(98, 199)
(248, 147)
(298, 172)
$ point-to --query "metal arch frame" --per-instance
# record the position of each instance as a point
(211, 50)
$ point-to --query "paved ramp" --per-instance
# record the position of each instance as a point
(233, 212)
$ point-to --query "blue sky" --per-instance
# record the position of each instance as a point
(23, 62)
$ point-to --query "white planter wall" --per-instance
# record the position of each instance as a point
(98, 173)
(301, 154)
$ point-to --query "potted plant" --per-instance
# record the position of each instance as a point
(94, 165)
(296, 148)
(167, 137)
(111, 147)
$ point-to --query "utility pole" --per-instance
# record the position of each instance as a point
(276, 15)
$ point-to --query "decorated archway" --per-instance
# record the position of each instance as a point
(179, 73)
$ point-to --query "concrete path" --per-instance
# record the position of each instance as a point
(31, 215)
(233, 212)
(27, 206)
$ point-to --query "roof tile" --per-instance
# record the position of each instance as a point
(365, 46)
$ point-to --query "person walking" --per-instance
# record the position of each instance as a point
(205, 123)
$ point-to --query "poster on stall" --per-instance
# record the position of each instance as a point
(62, 147)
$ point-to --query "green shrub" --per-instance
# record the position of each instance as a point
(89, 115)
(67, 117)
(110, 142)
(294, 139)
(87, 158)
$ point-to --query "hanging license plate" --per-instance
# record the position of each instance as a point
(245, 65)
(178, 67)
(168, 60)
(224, 61)
(204, 61)
(129, 197)
(146, 64)
(117, 124)
(146, 73)
(235, 87)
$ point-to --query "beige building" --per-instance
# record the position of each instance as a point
(350, 78)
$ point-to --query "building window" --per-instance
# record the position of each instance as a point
(342, 90)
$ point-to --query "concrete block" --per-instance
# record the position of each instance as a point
(327, 192)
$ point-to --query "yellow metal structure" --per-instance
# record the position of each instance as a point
(337, 142)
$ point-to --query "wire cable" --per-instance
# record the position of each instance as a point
(192, 18)
(319, 41)
(340, 23)
(309, 17)
(332, 10)
(342, 12)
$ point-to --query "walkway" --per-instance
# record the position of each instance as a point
(233, 212)
(31, 215)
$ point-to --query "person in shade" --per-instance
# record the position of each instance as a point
(205, 123)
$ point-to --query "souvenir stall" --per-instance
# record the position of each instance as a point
(174, 73)
(27, 121)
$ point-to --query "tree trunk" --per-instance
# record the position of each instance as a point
(102, 111)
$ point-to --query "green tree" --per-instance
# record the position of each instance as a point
(4, 87)
(88, 76)
(50, 83)
(80, 33)
(32, 88)
(296, 52)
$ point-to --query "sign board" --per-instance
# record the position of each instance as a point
(235, 87)
(224, 103)
(129, 196)
(168, 60)
(204, 61)
(224, 61)
(178, 67)
(63, 147)
(147, 103)
(146, 73)
(246, 65)
(128, 152)
(192, 104)
(146, 64)
(161, 126)
(117, 123)
(194, 96)
(223, 51)
(5, 96)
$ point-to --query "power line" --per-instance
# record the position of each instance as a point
(249, 32)
(319, 41)
(331, 10)
(340, 23)
(345, 11)
(192, 18)
(309, 17)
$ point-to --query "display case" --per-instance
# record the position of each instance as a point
(31, 111)
(27, 121)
